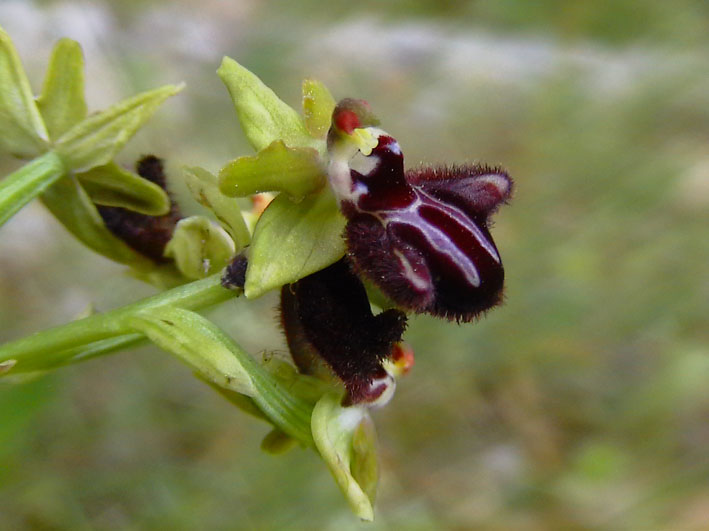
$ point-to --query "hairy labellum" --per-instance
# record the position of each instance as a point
(146, 234)
(327, 318)
(421, 236)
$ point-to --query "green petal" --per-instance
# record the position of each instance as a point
(295, 171)
(62, 101)
(293, 240)
(22, 131)
(318, 105)
(263, 116)
(200, 248)
(23, 185)
(198, 343)
(205, 189)
(95, 140)
(111, 185)
(334, 431)
(72, 206)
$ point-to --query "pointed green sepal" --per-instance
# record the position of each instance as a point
(293, 240)
(204, 187)
(263, 116)
(295, 171)
(22, 131)
(23, 185)
(318, 105)
(95, 140)
(199, 247)
(111, 185)
(346, 441)
(62, 103)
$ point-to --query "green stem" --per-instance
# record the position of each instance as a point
(104, 333)
(23, 185)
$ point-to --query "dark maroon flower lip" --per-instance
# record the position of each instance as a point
(330, 329)
(145, 234)
(422, 236)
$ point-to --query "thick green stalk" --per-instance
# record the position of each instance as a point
(106, 332)
(23, 185)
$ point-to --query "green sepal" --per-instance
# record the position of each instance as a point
(263, 116)
(365, 457)
(199, 247)
(294, 240)
(318, 105)
(204, 187)
(72, 206)
(294, 171)
(62, 102)
(28, 182)
(200, 344)
(95, 140)
(349, 450)
(111, 185)
(22, 131)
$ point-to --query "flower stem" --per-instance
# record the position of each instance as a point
(104, 333)
(23, 185)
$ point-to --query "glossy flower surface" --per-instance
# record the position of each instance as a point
(420, 236)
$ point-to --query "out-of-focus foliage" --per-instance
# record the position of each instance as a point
(582, 402)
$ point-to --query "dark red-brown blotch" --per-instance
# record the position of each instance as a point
(327, 318)
(146, 234)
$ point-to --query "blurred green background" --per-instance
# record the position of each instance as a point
(582, 403)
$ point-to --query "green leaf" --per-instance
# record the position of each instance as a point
(200, 248)
(318, 105)
(200, 344)
(293, 240)
(335, 430)
(263, 116)
(111, 185)
(22, 131)
(23, 185)
(295, 171)
(62, 101)
(71, 205)
(205, 189)
(95, 140)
